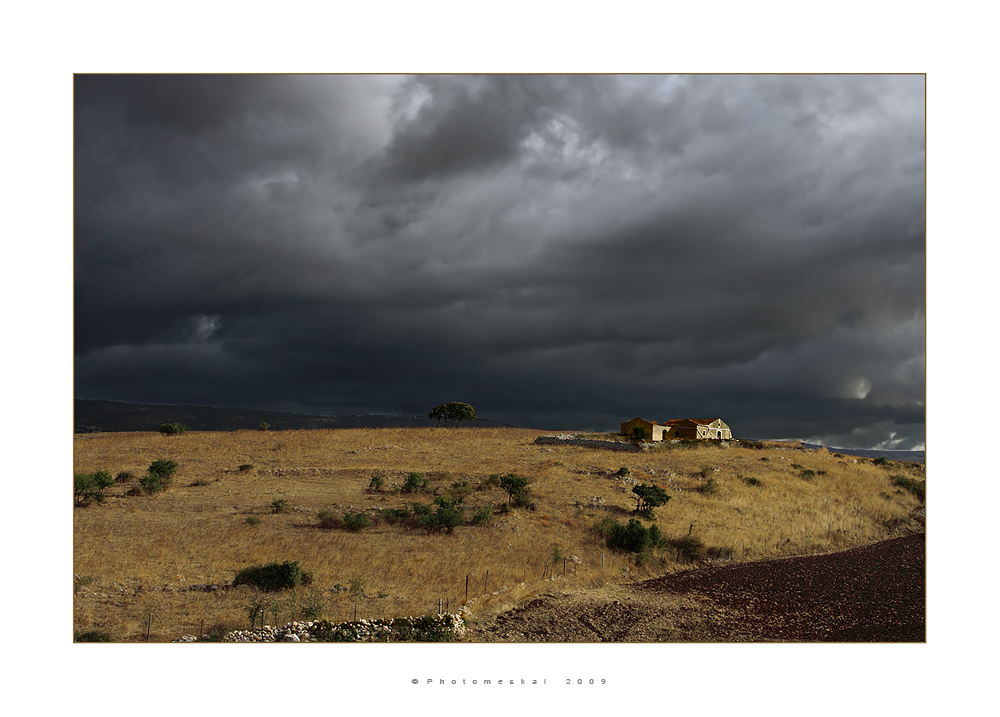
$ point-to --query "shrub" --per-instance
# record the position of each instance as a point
(200, 483)
(273, 576)
(172, 429)
(245, 467)
(481, 515)
(163, 468)
(158, 477)
(152, 484)
(426, 628)
(124, 477)
(279, 506)
(708, 486)
(638, 434)
(516, 488)
(880, 461)
(89, 487)
(414, 483)
(264, 426)
(376, 483)
(623, 472)
(357, 521)
(915, 487)
(750, 480)
(252, 520)
(460, 490)
(397, 515)
(807, 473)
(91, 636)
(604, 526)
(648, 497)
(633, 537)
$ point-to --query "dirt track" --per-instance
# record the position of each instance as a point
(870, 594)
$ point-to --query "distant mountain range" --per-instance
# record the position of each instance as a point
(94, 416)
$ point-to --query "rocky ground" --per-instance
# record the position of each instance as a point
(870, 594)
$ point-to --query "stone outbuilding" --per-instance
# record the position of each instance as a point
(689, 428)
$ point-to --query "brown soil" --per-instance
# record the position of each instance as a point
(869, 594)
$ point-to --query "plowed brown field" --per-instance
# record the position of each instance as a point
(874, 593)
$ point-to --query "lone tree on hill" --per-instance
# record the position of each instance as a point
(648, 497)
(453, 412)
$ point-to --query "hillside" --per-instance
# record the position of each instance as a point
(167, 561)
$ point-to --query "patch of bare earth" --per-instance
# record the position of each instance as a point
(874, 593)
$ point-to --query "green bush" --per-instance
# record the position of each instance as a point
(158, 476)
(280, 505)
(376, 483)
(91, 636)
(460, 490)
(89, 487)
(264, 426)
(648, 497)
(880, 461)
(151, 484)
(124, 477)
(273, 576)
(172, 429)
(163, 468)
(448, 515)
(252, 520)
(414, 483)
(708, 486)
(426, 628)
(397, 515)
(481, 515)
(516, 488)
(357, 521)
(633, 537)
(915, 487)
(638, 434)
(750, 480)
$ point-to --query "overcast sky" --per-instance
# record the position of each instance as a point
(562, 252)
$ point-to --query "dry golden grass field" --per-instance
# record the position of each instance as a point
(136, 556)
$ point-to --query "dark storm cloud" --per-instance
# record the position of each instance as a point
(561, 252)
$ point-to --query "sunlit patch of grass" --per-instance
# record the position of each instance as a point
(143, 553)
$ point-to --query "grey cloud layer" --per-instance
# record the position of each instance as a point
(558, 251)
